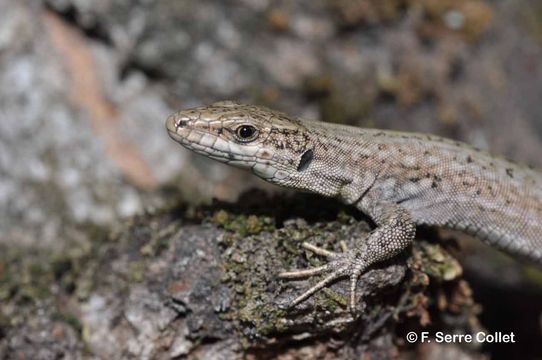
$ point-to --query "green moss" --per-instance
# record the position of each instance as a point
(242, 225)
(438, 263)
(250, 284)
(257, 249)
(69, 319)
(26, 276)
(221, 217)
(332, 300)
(137, 270)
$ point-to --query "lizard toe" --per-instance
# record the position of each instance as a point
(340, 266)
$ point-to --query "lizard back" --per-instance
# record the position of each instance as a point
(444, 183)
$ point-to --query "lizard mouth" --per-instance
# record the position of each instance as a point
(178, 138)
(188, 137)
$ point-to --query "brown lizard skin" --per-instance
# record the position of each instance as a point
(398, 179)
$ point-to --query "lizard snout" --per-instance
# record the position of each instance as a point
(174, 123)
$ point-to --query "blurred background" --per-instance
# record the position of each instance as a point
(85, 87)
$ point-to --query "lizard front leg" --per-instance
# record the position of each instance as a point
(395, 231)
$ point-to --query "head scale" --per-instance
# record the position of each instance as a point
(271, 144)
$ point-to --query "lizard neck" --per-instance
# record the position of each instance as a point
(339, 164)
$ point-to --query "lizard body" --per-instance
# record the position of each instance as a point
(398, 179)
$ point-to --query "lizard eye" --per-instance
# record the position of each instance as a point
(246, 133)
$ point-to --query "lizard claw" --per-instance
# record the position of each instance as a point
(339, 266)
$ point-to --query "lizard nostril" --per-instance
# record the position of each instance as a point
(181, 123)
(174, 123)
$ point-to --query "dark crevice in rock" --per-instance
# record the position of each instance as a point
(93, 29)
(152, 73)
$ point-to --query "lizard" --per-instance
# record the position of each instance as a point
(399, 179)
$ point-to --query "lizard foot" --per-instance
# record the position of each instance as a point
(339, 265)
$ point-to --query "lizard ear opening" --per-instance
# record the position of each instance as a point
(306, 160)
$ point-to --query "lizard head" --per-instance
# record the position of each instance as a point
(274, 146)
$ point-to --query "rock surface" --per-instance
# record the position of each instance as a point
(201, 282)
